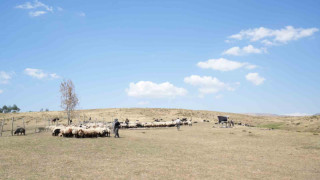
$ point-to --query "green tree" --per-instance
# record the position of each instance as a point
(5, 109)
(15, 108)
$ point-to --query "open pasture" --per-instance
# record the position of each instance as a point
(197, 152)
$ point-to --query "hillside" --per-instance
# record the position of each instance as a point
(306, 123)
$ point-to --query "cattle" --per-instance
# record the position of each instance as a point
(20, 131)
(223, 119)
(54, 120)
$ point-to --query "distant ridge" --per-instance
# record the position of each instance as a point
(318, 114)
(262, 114)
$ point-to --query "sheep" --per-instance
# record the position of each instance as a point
(66, 132)
(91, 132)
(75, 132)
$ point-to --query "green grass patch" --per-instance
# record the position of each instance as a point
(271, 125)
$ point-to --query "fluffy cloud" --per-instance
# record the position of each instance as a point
(5, 77)
(237, 51)
(1, 91)
(54, 76)
(273, 36)
(36, 13)
(255, 78)
(222, 64)
(208, 84)
(150, 89)
(35, 5)
(39, 74)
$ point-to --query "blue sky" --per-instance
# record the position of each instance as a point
(231, 56)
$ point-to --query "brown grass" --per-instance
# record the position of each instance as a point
(197, 152)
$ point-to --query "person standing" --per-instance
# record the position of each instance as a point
(116, 128)
(178, 123)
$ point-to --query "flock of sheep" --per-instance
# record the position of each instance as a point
(103, 129)
(82, 131)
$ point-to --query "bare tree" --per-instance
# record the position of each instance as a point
(69, 99)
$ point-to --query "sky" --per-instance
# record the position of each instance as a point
(232, 56)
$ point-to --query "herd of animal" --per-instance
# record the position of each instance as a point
(92, 129)
(82, 131)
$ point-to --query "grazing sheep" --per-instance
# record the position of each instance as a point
(75, 132)
(20, 131)
(67, 132)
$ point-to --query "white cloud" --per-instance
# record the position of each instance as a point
(39, 74)
(255, 78)
(82, 14)
(36, 4)
(5, 77)
(233, 51)
(36, 13)
(298, 114)
(39, 7)
(208, 84)
(1, 91)
(271, 36)
(237, 51)
(150, 89)
(54, 76)
(223, 64)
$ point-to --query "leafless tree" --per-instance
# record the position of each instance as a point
(69, 99)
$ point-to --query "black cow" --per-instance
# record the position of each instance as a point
(54, 120)
(222, 119)
(20, 131)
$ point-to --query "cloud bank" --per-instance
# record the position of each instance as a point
(223, 64)
(148, 89)
(40, 74)
(274, 36)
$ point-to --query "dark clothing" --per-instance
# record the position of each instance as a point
(117, 125)
(116, 129)
(116, 132)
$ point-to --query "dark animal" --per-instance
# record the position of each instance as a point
(20, 131)
(54, 120)
(56, 132)
(222, 119)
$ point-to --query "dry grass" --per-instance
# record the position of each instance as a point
(197, 152)
(303, 124)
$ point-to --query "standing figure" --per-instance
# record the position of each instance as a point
(116, 128)
(178, 123)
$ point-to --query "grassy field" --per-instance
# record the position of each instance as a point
(203, 151)
(40, 119)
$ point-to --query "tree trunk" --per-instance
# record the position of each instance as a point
(12, 126)
(1, 127)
